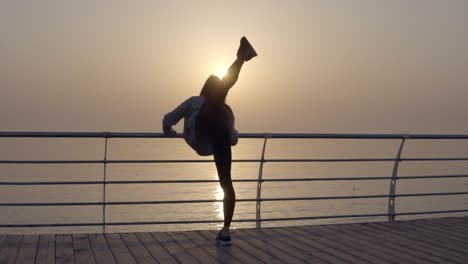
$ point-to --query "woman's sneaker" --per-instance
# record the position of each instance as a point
(245, 51)
(223, 240)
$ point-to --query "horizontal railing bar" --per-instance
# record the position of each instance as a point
(210, 161)
(327, 179)
(184, 161)
(432, 177)
(188, 181)
(433, 159)
(248, 180)
(362, 196)
(330, 160)
(51, 161)
(234, 220)
(51, 225)
(236, 180)
(119, 182)
(241, 135)
(429, 194)
(53, 183)
(434, 212)
(242, 220)
(238, 200)
(55, 204)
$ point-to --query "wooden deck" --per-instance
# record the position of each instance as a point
(443, 240)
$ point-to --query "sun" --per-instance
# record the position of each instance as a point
(221, 72)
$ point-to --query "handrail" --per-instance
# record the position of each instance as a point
(258, 220)
(234, 220)
(237, 200)
(234, 180)
(187, 161)
(241, 135)
(234, 160)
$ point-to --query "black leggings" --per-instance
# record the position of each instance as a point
(222, 157)
(212, 125)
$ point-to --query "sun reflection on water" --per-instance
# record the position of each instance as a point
(219, 195)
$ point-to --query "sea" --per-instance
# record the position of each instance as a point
(175, 149)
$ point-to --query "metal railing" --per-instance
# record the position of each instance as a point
(258, 200)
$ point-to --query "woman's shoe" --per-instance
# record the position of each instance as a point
(223, 240)
(245, 51)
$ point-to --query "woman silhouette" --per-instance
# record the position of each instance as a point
(209, 129)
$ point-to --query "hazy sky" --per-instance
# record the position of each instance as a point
(323, 66)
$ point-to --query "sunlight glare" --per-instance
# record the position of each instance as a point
(219, 193)
(219, 205)
(221, 72)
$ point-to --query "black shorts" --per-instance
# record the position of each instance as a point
(212, 124)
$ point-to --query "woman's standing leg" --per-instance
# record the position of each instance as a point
(222, 157)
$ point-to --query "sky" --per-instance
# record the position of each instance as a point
(323, 66)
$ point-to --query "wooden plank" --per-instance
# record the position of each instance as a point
(447, 228)
(463, 225)
(138, 251)
(341, 244)
(442, 238)
(176, 250)
(329, 254)
(27, 251)
(218, 253)
(155, 249)
(325, 245)
(119, 250)
(253, 251)
(437, 248)
(232, 250)
(448, 241)
(344, 251)
(82, 249)
(345, 244)
(46, 250)
(101, 251)
(414, 242)
(396, 242)
(458, 219)
(370, 247)
(64, 249)
(448, 219)
(197, 252)
(306, 253)
(448, 225)
(384, 245)
(260, 241)
(10, 248)
(2, 238)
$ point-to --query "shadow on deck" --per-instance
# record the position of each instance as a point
(443, 240)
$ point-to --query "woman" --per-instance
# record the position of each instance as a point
(209, 129)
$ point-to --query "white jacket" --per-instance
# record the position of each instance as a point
(189, 110)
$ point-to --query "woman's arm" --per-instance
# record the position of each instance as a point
(172, 118)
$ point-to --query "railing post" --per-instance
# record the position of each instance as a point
(106, 136)
(391, 198)
(259, 184)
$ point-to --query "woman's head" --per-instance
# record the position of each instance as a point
(212, 90)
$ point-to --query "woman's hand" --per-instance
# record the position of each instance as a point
(169, 131)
